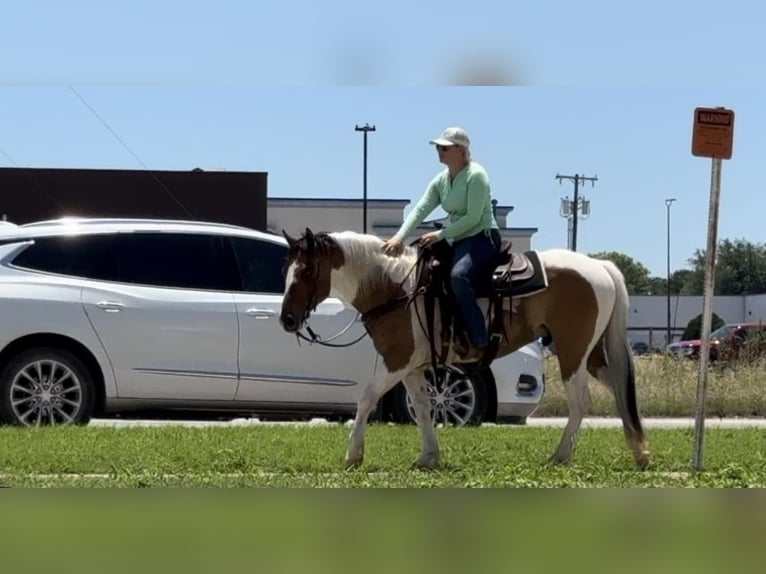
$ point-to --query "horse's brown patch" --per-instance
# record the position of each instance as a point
(391, 332)
(314, 257)
(597, 358)
(568, 309)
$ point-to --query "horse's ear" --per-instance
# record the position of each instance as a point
(291, 241)
(310, 240)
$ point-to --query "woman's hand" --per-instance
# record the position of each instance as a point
(392, 247)
(430, 238)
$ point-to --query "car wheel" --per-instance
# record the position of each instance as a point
(46, 387)
(456, 399)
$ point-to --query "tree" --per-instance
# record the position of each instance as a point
(740, 269)
(637, 277)
(694, 327)
(678, 279)
(658, 286)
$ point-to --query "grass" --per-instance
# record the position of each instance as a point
(492, 456)
(300, 456)
(667, 387)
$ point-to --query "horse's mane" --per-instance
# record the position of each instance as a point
(365, 259)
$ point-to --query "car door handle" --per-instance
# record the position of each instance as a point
(110, 306)
(261, 313)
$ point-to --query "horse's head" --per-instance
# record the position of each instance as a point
(311, 259)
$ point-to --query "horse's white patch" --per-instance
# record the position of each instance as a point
(366, 263)
(289, 277)
(593, 272)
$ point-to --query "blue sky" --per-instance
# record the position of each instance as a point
(598, 89)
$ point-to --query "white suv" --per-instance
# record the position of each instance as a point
(108, 316)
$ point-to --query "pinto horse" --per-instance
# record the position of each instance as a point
(582, 307)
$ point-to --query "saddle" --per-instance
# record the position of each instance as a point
(509, 275)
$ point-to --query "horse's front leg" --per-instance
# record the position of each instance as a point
(370, 397)
(416, 384)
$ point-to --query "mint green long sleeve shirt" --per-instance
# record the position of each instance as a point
(466, 199)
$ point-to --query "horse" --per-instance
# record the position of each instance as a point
(582, 306)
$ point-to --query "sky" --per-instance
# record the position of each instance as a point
(596, 88)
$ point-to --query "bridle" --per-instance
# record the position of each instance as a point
(368, 316)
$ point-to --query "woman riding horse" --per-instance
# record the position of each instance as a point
(463, 191)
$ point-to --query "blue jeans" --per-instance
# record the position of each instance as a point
(472, 254)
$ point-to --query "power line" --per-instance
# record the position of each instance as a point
(138, 159)
(570, 209)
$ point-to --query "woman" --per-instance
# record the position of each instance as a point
(463, 191)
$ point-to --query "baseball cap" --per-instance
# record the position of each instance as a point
(453, 136)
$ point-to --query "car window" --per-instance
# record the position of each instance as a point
(77, 255)
(261, 264)
(721, 332)
(180, 260)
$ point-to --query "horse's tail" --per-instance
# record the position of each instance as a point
(621, 369)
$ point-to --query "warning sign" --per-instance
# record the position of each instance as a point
(713, 134)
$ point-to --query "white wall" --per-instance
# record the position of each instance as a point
(647, 318)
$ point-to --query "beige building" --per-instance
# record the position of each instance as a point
(384, 216)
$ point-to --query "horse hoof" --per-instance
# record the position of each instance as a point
(559, 459)
(427, 463)
(351, 463)
(643, 460)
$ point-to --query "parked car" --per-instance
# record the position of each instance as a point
(126, 317)
(640, 348)
(726, 342)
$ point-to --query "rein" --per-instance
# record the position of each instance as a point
(367, 316)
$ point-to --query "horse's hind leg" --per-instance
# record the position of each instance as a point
(370, 397)
(578, 401)
(618, 375)
(416, 383)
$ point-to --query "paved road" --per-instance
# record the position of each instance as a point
(558, 422)
(654, 422)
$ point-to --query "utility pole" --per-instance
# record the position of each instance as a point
(668, 203)
(570, 209)
(366, 128)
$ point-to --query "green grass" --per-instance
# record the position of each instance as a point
(667, 387)
(288, 456)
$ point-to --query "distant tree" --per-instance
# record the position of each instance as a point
(657, 286)
(694, 327)
(740, 269)
(637, 277)
(678, 279)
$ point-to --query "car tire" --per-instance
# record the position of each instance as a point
(29, 397)
(463, 402)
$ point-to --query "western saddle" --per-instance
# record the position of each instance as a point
(511, 274)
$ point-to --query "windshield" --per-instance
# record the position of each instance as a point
(721, 332)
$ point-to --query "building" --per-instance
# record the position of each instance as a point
(648, 319)
(32, 194)
(384, 216)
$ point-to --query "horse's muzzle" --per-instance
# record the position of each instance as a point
(289, 322)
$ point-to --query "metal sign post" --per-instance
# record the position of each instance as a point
(712, 137)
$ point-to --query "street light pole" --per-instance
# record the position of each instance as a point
(668, 203)
(365, 128)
